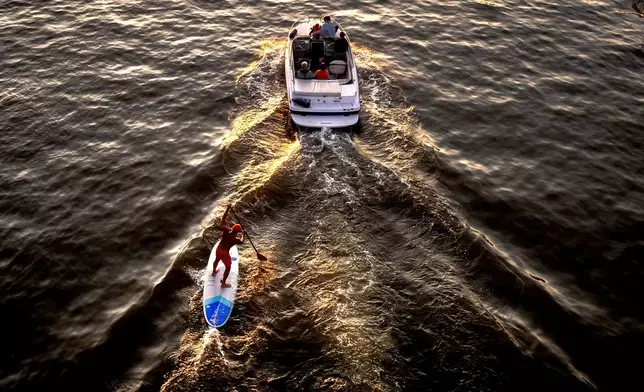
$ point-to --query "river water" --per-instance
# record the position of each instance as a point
(481, 231)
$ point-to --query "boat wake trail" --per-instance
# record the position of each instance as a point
(373, 281)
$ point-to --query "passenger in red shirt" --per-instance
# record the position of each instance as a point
(315, 31)
(229, 238)
(322, 73)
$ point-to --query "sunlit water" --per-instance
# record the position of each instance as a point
(480, 232)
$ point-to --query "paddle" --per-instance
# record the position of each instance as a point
(259, 255)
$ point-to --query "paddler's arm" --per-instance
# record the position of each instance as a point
(223, 225)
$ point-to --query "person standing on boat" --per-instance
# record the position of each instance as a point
(328, 28)
(341, 46)
(229, 238)
(304, 72)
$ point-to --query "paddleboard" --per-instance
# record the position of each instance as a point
(217, 301)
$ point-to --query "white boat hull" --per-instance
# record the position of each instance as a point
(314, 103)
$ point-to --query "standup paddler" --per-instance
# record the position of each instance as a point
(230, 237)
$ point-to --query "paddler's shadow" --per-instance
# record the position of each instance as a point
(255, 275)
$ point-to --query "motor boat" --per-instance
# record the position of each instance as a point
(313, 103)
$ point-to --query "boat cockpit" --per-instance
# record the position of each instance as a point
(315, 50)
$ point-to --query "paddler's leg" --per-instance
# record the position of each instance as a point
(218, 257)
(227, 262)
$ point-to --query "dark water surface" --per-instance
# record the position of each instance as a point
(482, 232)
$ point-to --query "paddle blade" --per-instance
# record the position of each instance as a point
(261, 257)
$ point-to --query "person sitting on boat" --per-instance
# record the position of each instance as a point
(304, 72)
(328, 28)
(228, 240)
(340, 47)
(322, 73)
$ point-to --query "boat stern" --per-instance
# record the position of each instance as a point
(325, 121)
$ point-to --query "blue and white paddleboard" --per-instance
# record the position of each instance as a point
(217, 301)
